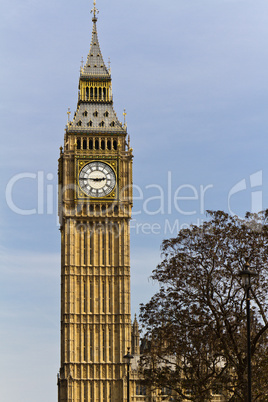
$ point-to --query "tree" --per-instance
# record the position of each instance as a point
(195, 325)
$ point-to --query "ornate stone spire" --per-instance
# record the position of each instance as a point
(95, 111)
(95, 66)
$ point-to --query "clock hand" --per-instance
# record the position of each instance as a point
(98, 178)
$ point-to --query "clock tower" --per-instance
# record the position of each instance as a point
(95, 202)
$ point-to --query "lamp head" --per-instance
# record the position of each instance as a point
(128, 356)
(246, 275)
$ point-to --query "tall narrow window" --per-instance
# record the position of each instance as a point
(103, 244)
(100, 93)
(97, 144)
(88, 247)
(110, 245)
(103, 343)
(91, 93)
(91, 392)
(104, 93)
(85, 345)
(102, 145)
(110, 392)
(90, 250)
(91, 345)
(85, 246)
(103, 392)
(96, 93)
(78, 143)
(84, 144)
(115, 144)
(85, 297)
(87, 93)
(110, 345)
(91, 296)
(110, 296)
(85, 392)
(103, 297)
(81, 232)
(90, 144)
(109, 146)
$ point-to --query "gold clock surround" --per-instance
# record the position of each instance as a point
(80, 164)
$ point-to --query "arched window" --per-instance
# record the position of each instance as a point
(90, 124)
(104, 93)
(87, 93)
(78, 143)
(96, 93)
(102, 144)
(115, 144)
(84, 144)
(91, 93)
(97, 144)
(109, 145)
(79, 123)
(112, 124)
(102, 124)
(100, 93)
(90, 144)
(106, 114)
(95, 114)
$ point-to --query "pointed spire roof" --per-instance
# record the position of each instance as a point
(95, 66)
(135, 322)
(95, 113)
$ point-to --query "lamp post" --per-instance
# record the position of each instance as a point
(246, 276)
(128, 358)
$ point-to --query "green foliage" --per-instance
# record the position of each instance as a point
(195, 325)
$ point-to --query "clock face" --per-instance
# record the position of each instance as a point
(97, 179)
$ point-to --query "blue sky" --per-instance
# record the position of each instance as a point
(192, 75)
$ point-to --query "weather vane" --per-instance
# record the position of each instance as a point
(95, 10)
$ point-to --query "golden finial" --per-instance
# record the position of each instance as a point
(68, 113)
(95, 11)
